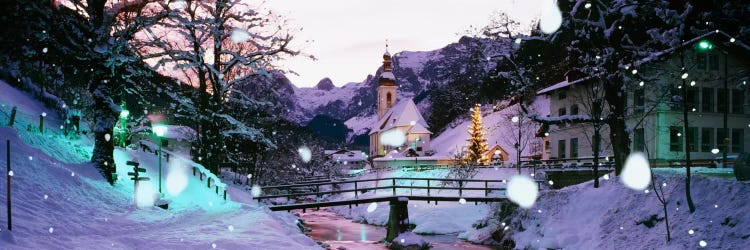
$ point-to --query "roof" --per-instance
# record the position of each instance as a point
(717, 34)
(714, 35)
(176, 132)
(404, 112)
(388, 75)
(418, 129)
(560, 85)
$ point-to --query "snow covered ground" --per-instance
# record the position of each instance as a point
(612, 216)
(499, 127)
(61, 202)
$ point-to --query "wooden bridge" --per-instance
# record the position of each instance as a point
(398, 201)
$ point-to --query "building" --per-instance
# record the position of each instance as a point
(402, 118)
(347, 159)
(654, 112)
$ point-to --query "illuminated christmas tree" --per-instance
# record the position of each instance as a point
(477, 142)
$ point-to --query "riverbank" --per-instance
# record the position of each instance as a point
(338, 232)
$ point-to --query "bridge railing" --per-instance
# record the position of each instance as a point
(431, 184)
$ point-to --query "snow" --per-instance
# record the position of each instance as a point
(304, 153)
(443, 218)
(500, 130)
(60, 201)
(522, 190)
(551, 17)
(636, 173)
(393, 137)
(582, 217)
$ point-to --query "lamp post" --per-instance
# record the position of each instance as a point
(123, 125)
(159, 130)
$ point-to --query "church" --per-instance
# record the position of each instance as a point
(393, 115)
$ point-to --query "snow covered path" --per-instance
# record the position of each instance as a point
(61, 202)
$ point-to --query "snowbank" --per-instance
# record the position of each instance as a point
(615, 217)
(61, 202)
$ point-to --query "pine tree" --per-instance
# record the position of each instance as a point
(477, 142)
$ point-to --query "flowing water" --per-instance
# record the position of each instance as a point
(337, 231)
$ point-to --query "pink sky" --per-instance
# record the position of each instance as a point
(348, 36)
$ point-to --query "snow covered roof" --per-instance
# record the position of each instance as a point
(388, 75)
(387, 53)
(560, 85)
(400, 115)
(176, 132)
(709, 35)
(418, 129)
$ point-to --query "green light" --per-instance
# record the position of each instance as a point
(705, 45)
(160, 130)
(124, 113)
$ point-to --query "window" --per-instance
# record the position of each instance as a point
(546, 145)
(562, 95)
(388, 100)
(738, 140)
(639, 100)
(561, 149)
(675, 139)
(692, 137)
(713, 62)
(721, 95)
(574, 109)
(574, 148)
(708, 100)
(561, 112)
(707, 139)
(675, 102)
(639, 140)
(738, 101)
(692, 98)
(721, 136)
(701, 61)
(419, 149)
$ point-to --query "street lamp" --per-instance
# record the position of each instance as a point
(159, 130)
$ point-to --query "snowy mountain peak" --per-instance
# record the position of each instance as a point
(325, 84)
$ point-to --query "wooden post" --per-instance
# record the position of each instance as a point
(394, 186)
(460, 186)
(12, 116)
(428, 189)
(217, 189)
(355, 191)
(398, 218)
(10, 225)
(193, 171)
(41, 123)
(208, 180)
(225, 193)
(486, 191)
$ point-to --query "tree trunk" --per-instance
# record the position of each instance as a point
(618, 134)
(596, 155)
(105, 111)
(686, 135)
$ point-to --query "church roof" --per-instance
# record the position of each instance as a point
(388, 75)
(400, 115)
(418, 129)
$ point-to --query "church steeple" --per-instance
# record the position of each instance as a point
(387, 90)
(387, 78)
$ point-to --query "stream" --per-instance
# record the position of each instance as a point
(337, 231)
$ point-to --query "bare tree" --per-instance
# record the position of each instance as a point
(217, 45)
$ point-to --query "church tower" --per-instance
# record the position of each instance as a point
(387, 90)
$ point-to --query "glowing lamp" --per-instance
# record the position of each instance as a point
(159, 130)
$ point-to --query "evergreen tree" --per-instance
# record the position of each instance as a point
(477, 142)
